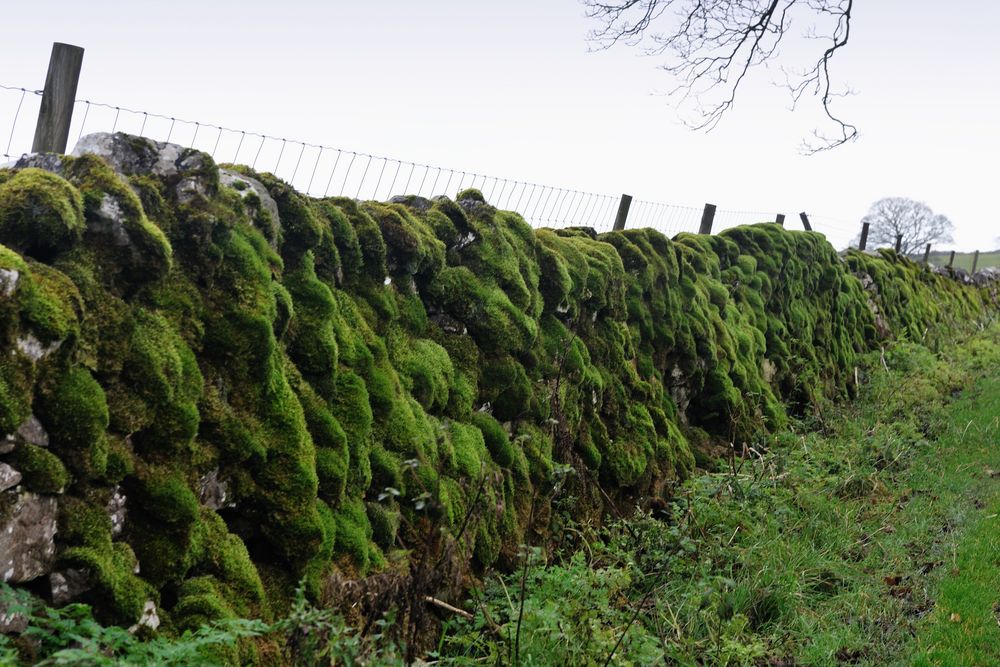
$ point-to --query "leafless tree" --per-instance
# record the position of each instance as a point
(914, 220)
(710, 46)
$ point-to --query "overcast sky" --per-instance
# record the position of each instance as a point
(509, 88)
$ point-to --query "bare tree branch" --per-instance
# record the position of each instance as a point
(710, 46)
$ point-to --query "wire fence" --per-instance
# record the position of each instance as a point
(323, 171)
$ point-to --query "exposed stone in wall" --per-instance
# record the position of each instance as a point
(27, 536)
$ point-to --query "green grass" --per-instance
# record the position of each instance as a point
(963, 260)
(964, 628)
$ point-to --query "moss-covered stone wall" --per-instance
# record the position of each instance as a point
(241, 388)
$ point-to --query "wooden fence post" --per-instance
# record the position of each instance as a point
(951, 260)
(899, 243)
(622, 216)
(58, 98)
(780, 219)
(707, 217)
(975, 261)
(805, 221)
(864, 237)
(927, 254)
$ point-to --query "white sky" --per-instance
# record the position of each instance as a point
(509, 88)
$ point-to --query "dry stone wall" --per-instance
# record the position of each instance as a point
(213, 387)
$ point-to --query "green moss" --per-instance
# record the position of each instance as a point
(40, 213)
(411, 247)
(16, 379)
(351, 409)
(50, 304)
(384, 522)
(495, 438)
(506, 386)
(469, 449)
(485, 310)
(470, 194)
(162, 370)
(122, 239)
(166, 495)
(353, 534)
(119, 595)
(41, 471)
(75, 413)
(427, 371)
(200, 602)
(312, 344)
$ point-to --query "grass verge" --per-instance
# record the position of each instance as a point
(964, 628)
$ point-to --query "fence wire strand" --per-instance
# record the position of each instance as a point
(539, 204)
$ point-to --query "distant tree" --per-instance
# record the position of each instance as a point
(709, 47)
(914, 220)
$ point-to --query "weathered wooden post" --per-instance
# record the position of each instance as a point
(951, 260)
(622, 216)
(899, 243)
(707, 217)
(975, 261)
(805, 221)
(780, 219)
(58, 98)
(927, 254)
(864, 237)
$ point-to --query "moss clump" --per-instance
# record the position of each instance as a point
(353, 534)
(411, 247)
(118, 594)
(75, 413)
(469, 449)
(119, 236)
(48, 302)
(41, 470)
(352, 410)
(495, 438)
(225, 555)
(161, 369)
(40, 213)
(427, 372)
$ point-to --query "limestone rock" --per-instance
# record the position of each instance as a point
(33, 348)
(12, 623)
(149, 618)
(27, 534)
(117, 511)
(8, 477)
(984, 277)
(8, 282)
(69, 584)
(188, 168)
(30, 431)
(48, 161)
(246, 185)
(33, 432)
(213, 492)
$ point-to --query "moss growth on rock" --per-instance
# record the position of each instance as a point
(343, 362)
(75, 412)
(40, 213)
(40, 469)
